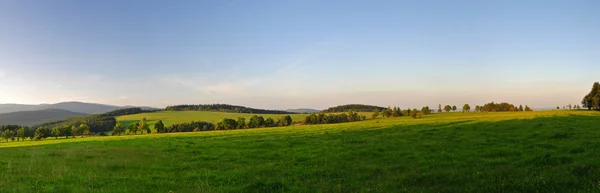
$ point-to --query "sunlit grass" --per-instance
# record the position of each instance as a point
(546, 151)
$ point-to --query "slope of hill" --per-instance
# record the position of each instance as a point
(73, 106)
(8, 108)
(303, 110)
(29, 118)
(87, 108)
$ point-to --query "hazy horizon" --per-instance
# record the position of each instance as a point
(298, 54)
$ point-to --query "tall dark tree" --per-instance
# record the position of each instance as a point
(454, 108)
(159, 127)
(466, 108)
(447, 108)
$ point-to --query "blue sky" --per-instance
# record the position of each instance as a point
(293, 54)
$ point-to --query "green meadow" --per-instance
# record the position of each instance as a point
(545, 151)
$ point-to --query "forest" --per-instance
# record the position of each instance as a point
(224, 108)
(353, 107)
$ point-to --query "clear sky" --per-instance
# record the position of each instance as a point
(298, 53)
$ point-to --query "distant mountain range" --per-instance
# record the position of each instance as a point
(303, 110)
(77, 107)
(20, 114)
(29, 118)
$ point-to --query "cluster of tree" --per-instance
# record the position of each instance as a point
(127, 111)
(96, 123)
(447, 108)
(389, 112)
(14, 132)
(254, 122)
(397, 112)
(501, 107)
(323, 118)
(19, 133)
(353, 107)
(592, 99)
(224, 108)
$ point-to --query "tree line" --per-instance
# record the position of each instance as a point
(398, 112)
(127, 111)
(322, 118)
(195, 126)
(20, 133)
(224, 108)
(353, 107)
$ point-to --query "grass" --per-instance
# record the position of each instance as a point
(547, 151)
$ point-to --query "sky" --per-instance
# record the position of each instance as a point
(299, 53)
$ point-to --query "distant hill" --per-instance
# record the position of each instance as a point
(224, 108)
(78, 107)
(353, 107)
(303, 110)
(29, 118)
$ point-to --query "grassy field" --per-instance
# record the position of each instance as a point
(174, 117)
(547, 151)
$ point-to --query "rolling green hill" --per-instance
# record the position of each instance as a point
(547, 151)
(29, 118)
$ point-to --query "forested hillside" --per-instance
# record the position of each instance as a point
(224, 108)
(354, 107)
(28, 118)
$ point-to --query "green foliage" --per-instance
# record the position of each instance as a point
(285, 121)
(42, 133)
(454, 108)
(241, 123)
(353, 107)
(592, 99)
(227, 124)
(269, 122)
(425, 110)
(256, 122)
(375, 114)
(160, 127)
(447, 108)
(466, 108)
(83, 129)
(323, 118)
(119, 129)
(127, 111)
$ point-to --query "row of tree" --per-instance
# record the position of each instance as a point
(224, 108)
(353, 107)
(20, 133)
(397, 112)
(226, 124)
(322, 118)
(569, 106)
